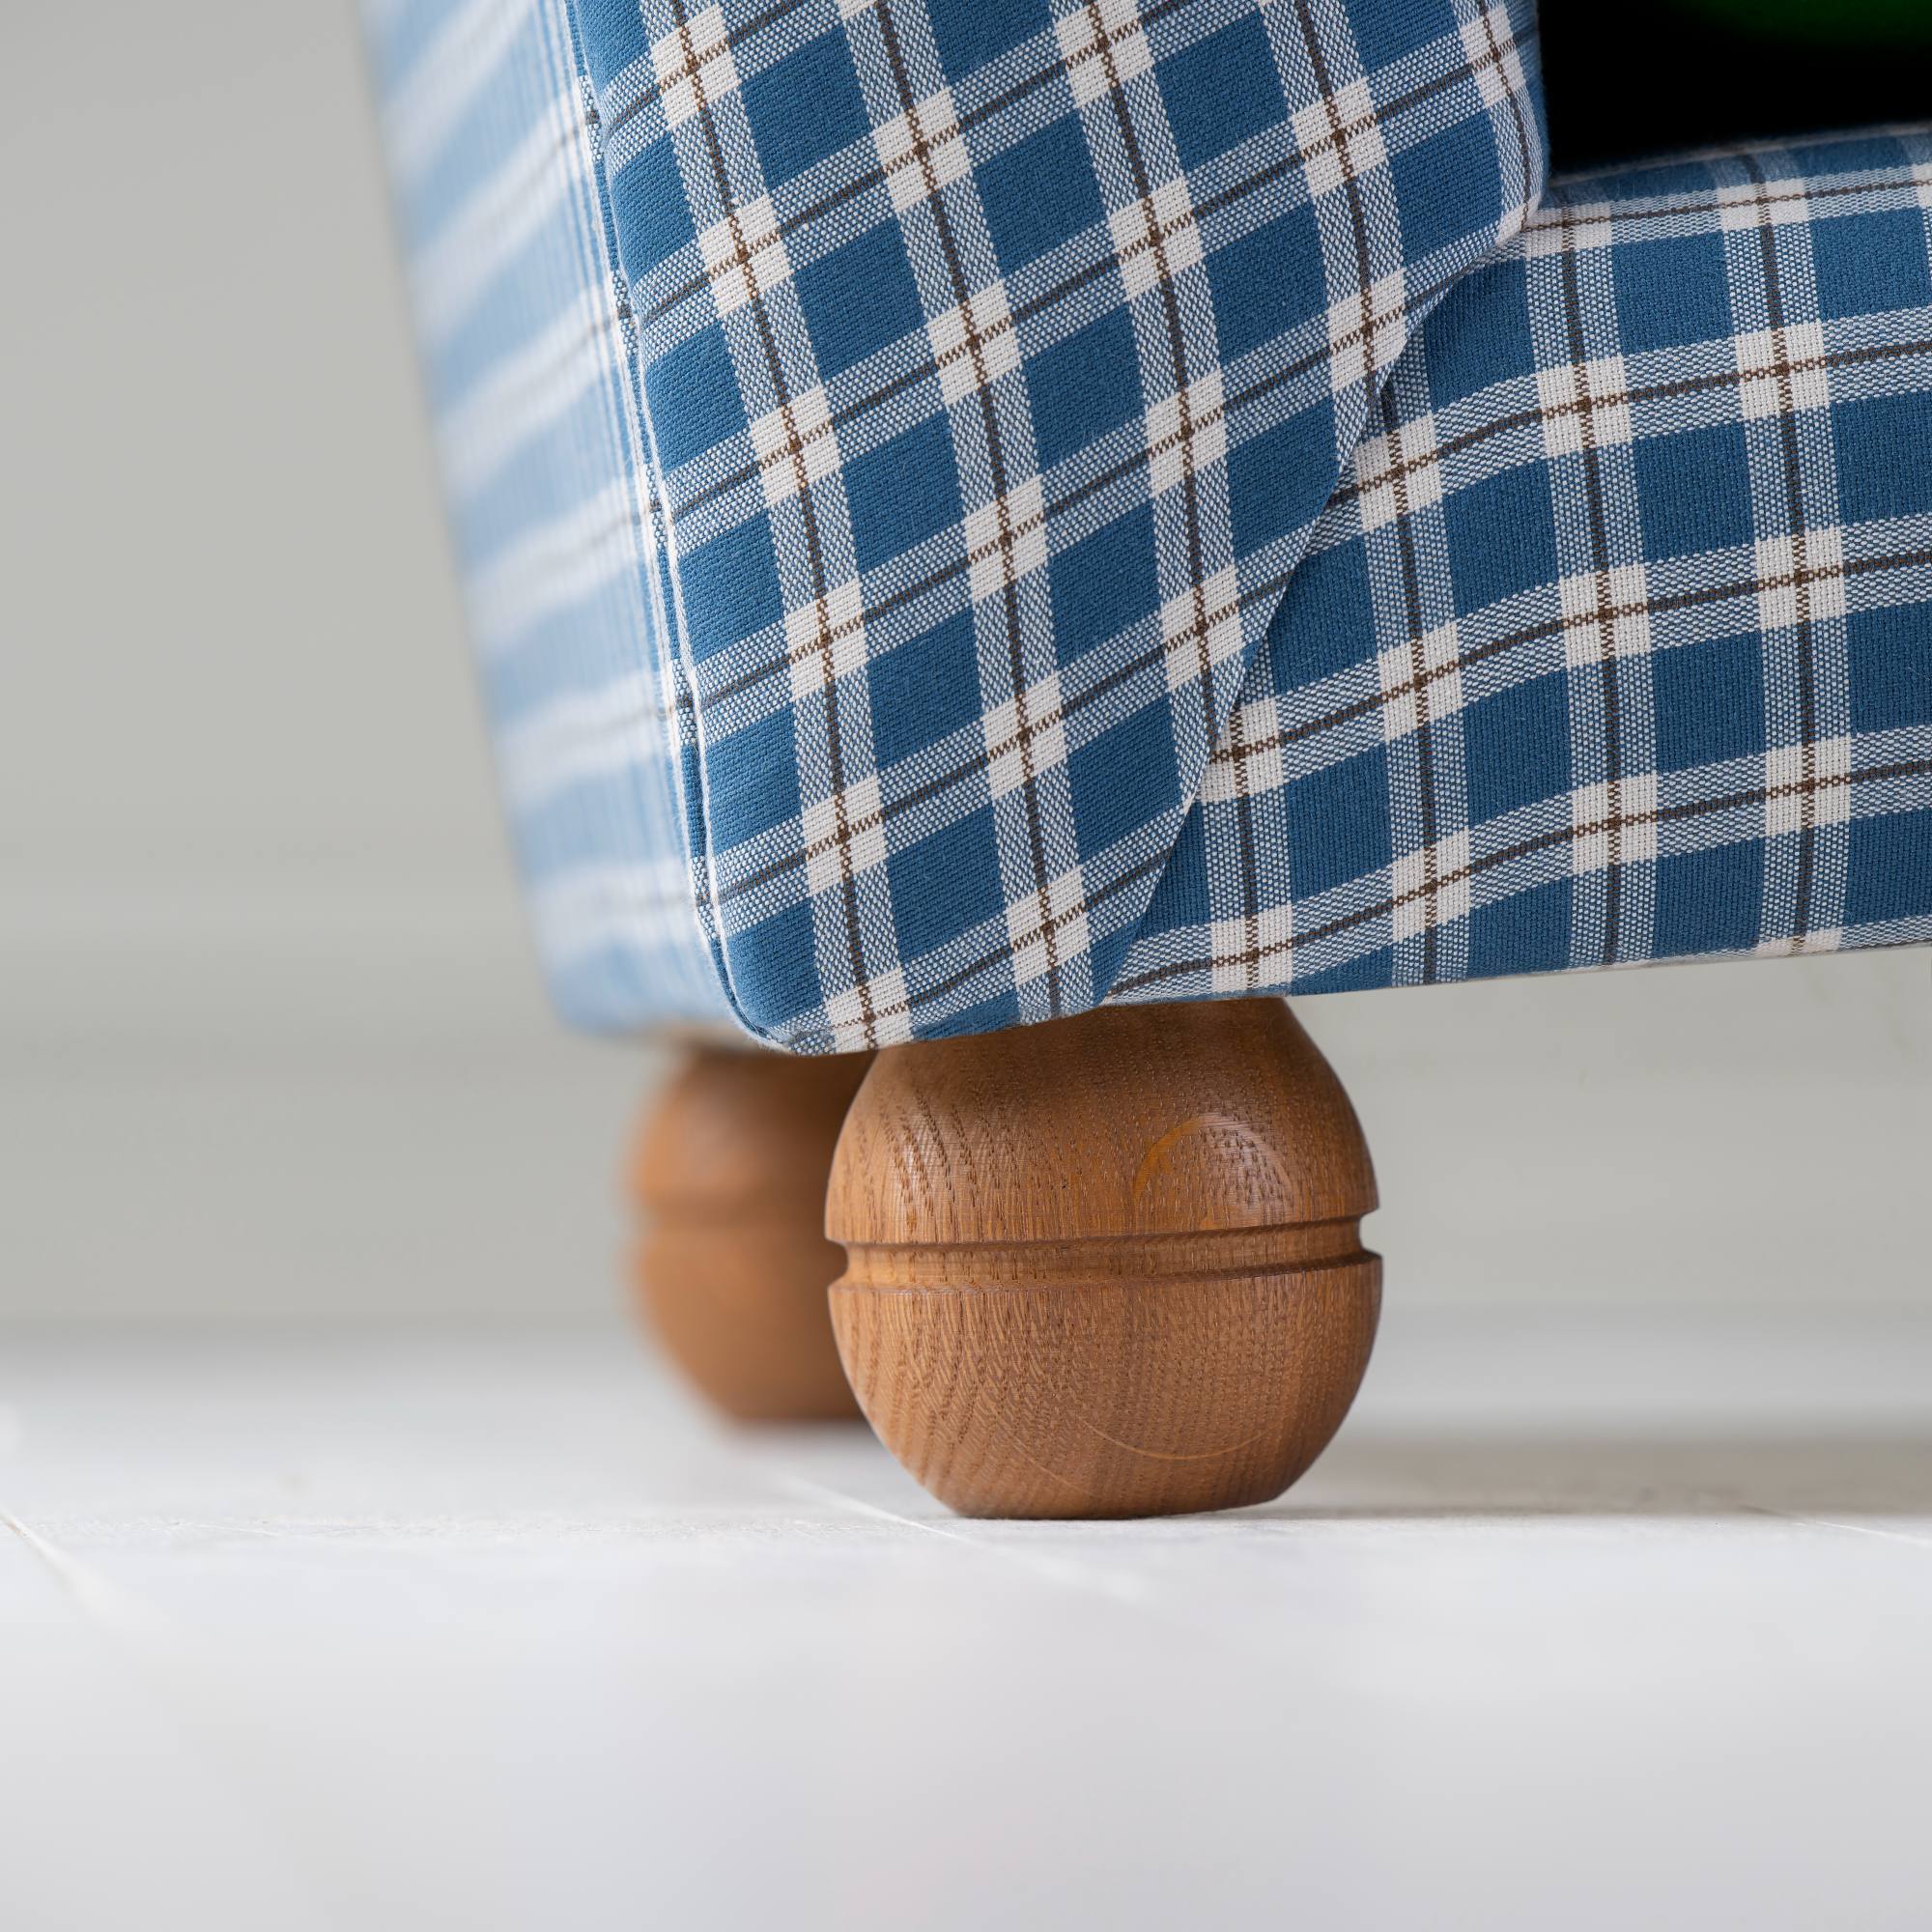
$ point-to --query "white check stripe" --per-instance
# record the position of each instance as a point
(524, 393)
(558, 563)
(586, 909)
(447, 79)
(574, 739)
(480, 238)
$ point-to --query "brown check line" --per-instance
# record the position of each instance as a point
(1238, 752)
(1793, 512)
(1755, 798)
(813, 541)
(790, 455)
(1592, 214)
(1001, 478)
(919, 153)
(1244, 826)
(1630, 396)
(973, 349)
(865, 182)
(1105, 41)
(1185, 427)
(1495, 59)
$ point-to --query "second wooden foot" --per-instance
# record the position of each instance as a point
(732, 1265)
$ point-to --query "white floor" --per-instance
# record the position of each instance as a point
(1587, 1621)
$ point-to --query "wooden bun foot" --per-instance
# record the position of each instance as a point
(1106, 1267)
(734, 1263)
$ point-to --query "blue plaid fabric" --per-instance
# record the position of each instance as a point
(1143, 502)
(1615, 644)
(531, 370)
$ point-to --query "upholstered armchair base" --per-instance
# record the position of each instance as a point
(1108, 1267)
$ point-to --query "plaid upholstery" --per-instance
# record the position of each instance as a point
(1615, 644)
(532, 379)
(1105, 500)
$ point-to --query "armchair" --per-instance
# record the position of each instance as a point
(983, 522)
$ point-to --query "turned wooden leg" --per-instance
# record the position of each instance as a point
(1106, 1267)
(732, 1264)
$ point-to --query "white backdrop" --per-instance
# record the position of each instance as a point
(270, 1038)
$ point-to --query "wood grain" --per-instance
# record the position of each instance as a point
(732, 1264)
(1110, 1266)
